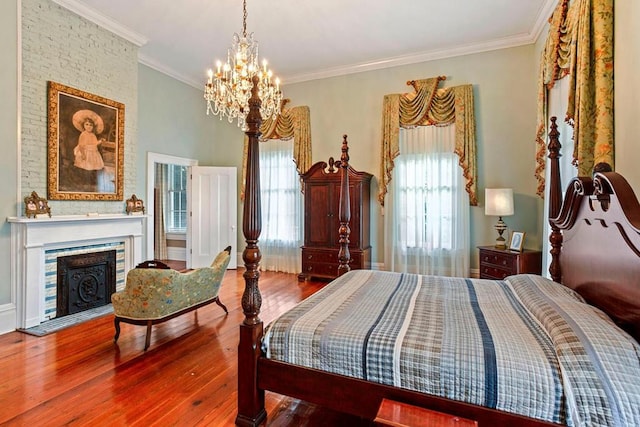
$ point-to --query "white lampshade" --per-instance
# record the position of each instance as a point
(498, 201)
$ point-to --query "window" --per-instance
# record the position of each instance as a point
(425, 197)
(281, 201)
(176, 201)
(427, 228)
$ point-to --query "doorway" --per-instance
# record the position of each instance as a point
(211, 213)
(154, 159)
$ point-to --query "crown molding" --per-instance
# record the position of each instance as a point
(415, 58)
(162, 68)
(103, 21)
(543, 18)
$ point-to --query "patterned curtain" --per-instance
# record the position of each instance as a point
(579, 46)
(159, 192)
(430, 106)
(290, 123)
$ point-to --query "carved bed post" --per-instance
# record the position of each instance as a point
(344, 257)
(251, 411)
(555, 200)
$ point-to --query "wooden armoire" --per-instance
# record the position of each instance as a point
(321, 220)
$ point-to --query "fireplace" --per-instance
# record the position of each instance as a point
(36, 244)
(85, 281)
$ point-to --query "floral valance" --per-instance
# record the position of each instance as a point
(430, 106)
(290, 123)
(579, 46)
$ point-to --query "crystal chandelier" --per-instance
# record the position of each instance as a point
(228, 89)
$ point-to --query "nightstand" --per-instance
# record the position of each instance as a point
(499, 263)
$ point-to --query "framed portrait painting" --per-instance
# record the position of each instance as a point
(85, 145)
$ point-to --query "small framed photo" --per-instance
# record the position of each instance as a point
(35, 206)
(134, 206)
(517, 241)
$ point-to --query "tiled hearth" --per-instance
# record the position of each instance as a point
(36, 242)
(52, 257)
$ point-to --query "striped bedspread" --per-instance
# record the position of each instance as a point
(524, 345)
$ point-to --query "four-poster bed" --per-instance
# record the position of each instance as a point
(595, 241)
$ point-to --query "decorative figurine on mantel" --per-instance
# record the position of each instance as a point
(35, 205)
(135, 206)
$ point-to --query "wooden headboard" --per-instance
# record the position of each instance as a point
(595, 241)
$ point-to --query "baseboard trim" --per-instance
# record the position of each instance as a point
(177, 254)
(8, 317)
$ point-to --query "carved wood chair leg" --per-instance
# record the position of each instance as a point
(116, 323)
(148, 338)
(217, 300)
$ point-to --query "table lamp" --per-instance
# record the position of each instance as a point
(499, 202)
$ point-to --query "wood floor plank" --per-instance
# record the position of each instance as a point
(187, 377)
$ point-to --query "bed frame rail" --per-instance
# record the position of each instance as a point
(363, 398)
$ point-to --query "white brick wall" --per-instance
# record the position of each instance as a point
(60, 46)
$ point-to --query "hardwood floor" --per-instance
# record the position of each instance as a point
(187, 377)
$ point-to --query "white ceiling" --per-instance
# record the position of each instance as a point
(306, 39)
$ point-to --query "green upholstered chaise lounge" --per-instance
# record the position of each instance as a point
(154, 295)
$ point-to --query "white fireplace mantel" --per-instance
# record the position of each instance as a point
(31, 237)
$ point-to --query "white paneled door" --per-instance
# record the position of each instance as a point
(212, 202)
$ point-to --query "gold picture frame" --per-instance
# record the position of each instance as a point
(517, 241)
(35, 205)
(85, 145)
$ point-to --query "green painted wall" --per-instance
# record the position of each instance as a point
(172, 121)
(627, 90)
(9, 143)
